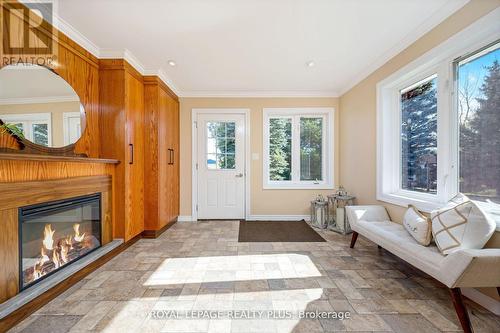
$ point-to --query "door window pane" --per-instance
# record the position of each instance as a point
(479, 115)
(41, 134)
(221, 145)
(311, 143)
(419, 136)
(280, 149)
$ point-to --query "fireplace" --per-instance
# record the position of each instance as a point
(55, 234)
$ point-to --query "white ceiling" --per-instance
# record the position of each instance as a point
(253, 47)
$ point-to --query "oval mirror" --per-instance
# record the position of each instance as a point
(38, 105)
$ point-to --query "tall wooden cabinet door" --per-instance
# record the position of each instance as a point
(176, 171)
(171, 159)
(163, 156)
(135, 167)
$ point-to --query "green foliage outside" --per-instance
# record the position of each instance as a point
(280, 149)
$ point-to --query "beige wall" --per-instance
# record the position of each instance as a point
(263, 202)
(57, 110)
(358, 108)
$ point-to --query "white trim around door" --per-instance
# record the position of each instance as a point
(194, 154)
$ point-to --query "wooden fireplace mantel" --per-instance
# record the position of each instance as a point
(55, 158)
(14, 195)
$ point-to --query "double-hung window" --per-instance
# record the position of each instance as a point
(438, 122)
(298, 148)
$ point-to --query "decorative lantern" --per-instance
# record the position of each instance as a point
(319, 212)
(337, 202)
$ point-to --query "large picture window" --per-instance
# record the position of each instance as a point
(439, 124)
(297, 148)
(478, 83)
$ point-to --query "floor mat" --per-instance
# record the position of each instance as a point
(277, 231)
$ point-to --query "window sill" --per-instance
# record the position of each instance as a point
(421, 204)
(298, 187)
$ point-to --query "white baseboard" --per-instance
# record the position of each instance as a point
(278, 217)
(482, 299)
(188, 218)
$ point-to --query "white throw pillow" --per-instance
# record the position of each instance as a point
(461, 224)
(492, 209)
(418, 225)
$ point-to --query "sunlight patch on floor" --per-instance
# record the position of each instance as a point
(232, 268)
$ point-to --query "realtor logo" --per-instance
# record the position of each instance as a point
(27, 32)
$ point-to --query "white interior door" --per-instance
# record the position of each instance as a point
(221, 166)
(71, 127)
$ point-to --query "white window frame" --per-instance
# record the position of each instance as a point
(29, 119)
(327, 114)
(440, 61)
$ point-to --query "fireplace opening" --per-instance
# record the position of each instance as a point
(55, 234)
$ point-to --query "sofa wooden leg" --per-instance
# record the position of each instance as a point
(463, 316)
(354, 238)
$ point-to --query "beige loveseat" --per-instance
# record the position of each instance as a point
(463, 268)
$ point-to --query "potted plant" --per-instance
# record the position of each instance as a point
(10, 136)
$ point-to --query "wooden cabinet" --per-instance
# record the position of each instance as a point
(161, 151)
(121, 95)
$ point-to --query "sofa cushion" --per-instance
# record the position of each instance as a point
(394, 237)
(418, 225)
(461, 224)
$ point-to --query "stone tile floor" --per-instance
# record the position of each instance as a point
(201, 266)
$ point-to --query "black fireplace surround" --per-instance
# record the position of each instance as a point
(55, 234)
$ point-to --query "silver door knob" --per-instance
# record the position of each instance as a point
(239, 175)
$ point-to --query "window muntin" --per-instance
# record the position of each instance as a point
(478, 107)
(296, 153)
(221, 145)
(418, 107)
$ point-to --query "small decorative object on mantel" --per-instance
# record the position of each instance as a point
(337, 202)
(319, 212)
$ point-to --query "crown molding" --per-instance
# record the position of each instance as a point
(259, 94)
(38, 100)
(429, 24)
(122, 54)
(75, 35)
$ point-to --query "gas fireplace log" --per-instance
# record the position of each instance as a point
(62, 253)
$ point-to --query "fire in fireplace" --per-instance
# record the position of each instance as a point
(54, 234)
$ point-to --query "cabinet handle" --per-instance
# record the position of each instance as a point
(131, 146)
(173, 156)
(170, 156)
